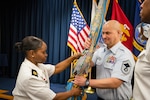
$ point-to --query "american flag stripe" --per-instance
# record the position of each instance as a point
(78, 32)
(84, 33)
(80, 39)
(72, 38)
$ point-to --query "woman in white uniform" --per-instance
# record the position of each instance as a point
(33, 77)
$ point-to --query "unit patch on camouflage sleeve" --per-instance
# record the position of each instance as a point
(126, 67)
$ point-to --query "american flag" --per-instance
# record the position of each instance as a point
(78, 32)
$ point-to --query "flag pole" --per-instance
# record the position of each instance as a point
(72, 65)
(72, 53)
(71, 69)
(89, 89)
(75, 3)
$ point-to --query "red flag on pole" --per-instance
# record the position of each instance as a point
(127, 28)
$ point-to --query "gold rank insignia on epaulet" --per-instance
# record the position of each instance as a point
(34, 72)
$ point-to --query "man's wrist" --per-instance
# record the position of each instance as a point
(87, 83)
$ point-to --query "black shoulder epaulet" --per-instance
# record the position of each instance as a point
(34, 72)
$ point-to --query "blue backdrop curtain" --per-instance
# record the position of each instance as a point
(47, 19)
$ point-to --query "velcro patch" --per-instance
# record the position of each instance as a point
(34, 72)
(126, 67)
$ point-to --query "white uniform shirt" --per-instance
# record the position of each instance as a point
(33, 82)
(141, 89)
(117, 62)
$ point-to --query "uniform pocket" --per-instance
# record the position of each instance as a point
(108, 65)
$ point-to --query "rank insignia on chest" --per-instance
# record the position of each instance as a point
(34, 72)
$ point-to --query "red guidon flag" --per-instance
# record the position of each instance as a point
(127, 28)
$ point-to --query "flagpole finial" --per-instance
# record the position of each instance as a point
(75, 3)
(117, 1)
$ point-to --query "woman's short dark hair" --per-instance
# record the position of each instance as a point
(29, 43)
